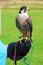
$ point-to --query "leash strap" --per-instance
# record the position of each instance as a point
(15, 55)
(24, 60)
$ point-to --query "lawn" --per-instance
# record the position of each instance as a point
(10, 34)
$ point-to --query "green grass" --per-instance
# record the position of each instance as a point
(10, 33)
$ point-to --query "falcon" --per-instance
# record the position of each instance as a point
(24, 23)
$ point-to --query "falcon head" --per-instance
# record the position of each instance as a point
(22, 9)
